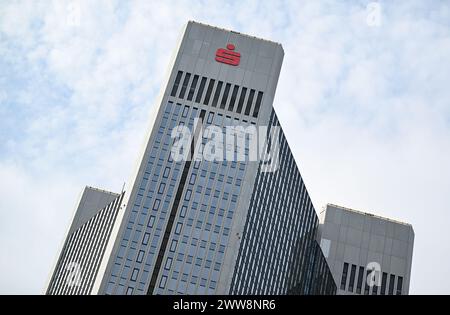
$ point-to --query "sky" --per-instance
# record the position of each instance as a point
(363, 98)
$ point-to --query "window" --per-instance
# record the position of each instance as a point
(185, 111)
(192, 89)
(131, 254)
(200, 90)
(399, 286)
(344, 276)
(151, 221)
(156, 204)
(166, 172)
(366, 285)
(225, 96)
(219, 119)
(233, 98)
(115, 269)
(183, 211)
(176, 84)
(391, 284)
(383, 284)
(360, 279)
(129, 291)
(168, 263)
(127, 234)
(173, 246)
(184, 86)
(352, 278)
(178, 228)
(249, 102)
(241, 100)
(210, 117)
(121, 252)
(187, 197)
(109, 288)
(161, 188)
(375, 289)
(209, 91)
(217, 93)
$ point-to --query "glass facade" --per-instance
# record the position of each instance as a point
(202, 225)
(279, 253)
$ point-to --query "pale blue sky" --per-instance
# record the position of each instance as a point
(366, 110)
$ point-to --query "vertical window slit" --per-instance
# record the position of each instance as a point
(200, 90)
(176, 83)
(352, 278)
(233, 98)
(258, 104)
(344, 276)
(399, 285)
(209, 91)
(241, 100)
(225, 96)
(383, 284)
(360, 280)
(217, 94)
(391, 284)
(249, 102)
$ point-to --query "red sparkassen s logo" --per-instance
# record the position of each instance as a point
(228, 56)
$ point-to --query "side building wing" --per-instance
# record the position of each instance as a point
(85, 243)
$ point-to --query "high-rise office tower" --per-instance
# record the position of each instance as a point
(367, 254)
(229, 216)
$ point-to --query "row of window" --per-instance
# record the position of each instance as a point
(234, 98)
(363, 276)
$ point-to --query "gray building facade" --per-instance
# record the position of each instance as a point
(367, 254)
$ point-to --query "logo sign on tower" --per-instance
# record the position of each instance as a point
(228, 55)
